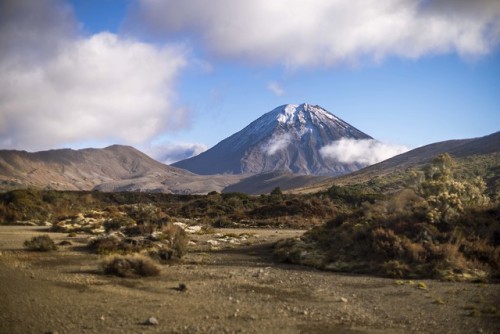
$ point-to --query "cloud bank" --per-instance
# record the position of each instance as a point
(59, 88)
(169, 153)
(277, 143)
(276, 88)
(364, 151)
(299, 33)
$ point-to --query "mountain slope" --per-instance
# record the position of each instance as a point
(287, 138)
(467, 150)
(114, 168)
(264, 183)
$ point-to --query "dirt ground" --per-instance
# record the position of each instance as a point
(230, 289)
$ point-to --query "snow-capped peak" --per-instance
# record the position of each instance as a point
(291, 113)
(288, 137)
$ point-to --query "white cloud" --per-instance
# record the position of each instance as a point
(169, 153)
(276, 88)
(276, 143)
(364, 151)
(59, 88)
(327, 32)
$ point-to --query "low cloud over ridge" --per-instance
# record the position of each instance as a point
(365, 151)
(169, 153)
(295, 33)
(277, 143)
(59, 88)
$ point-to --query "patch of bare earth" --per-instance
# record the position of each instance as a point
(231, 287)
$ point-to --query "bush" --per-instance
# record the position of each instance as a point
(176, 239)
(277, 192)
(131, 266)
(162, 255)
(108, 244)
(140, 229)
(42, 243)
(105, 245)
(116, 224)
(446, 196)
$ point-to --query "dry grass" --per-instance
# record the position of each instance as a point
(42, 243)
(131, 266)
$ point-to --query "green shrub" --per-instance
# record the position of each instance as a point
(42, 243)
(277, 192)
(447, 197)
(352, 195)
(131, 266)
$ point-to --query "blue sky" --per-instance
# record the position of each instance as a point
(406, 72)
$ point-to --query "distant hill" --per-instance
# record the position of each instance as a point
(468, 150)
(114, 168)
(288, 139)
(123, 168)
(264, 183)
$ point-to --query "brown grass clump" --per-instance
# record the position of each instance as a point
(131, 266)
(176, 239)
(109, 244)
(42, 243)
(106, 245)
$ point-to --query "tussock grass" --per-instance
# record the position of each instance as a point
(131, 266)
(42, 243)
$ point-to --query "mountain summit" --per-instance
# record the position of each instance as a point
(288, 138)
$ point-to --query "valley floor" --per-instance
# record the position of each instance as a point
(230, 289)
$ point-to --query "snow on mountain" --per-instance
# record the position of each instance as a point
(288, 138)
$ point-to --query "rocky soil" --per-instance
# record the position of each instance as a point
(228, 283)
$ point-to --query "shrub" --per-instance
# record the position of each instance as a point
(277, 192)
(394, 268)
(386, 243)
(176, 239)
(140, 229)
(131, 266)
(446, 197)
(113, 243)
(116, 224)
(42, 243)
(105, 245)
(162, 255)
(352, 195)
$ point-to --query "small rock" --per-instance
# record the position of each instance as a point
(182, 287)
(152, 321)
(102, 318)
(193, 229)
(343, 300)
(181, 225)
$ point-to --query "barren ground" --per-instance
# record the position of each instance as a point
(232, 289)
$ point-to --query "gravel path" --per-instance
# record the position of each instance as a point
(231, 288)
